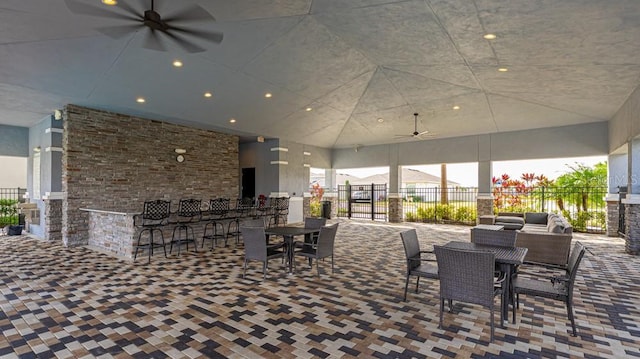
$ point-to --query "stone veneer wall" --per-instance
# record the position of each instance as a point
(613, 218)
(395, 210)
(485, 206)
(109, 230)
(116, 162)
(632, 228)
(306, 207)
(53, 220)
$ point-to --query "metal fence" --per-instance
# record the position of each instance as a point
(9, 199)
(435, 205)
(584, 208)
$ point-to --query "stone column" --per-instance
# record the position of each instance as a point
(53, 220)
(395, 208)
(632, 223)
(613, 214)
(306, 205)
(484, 202)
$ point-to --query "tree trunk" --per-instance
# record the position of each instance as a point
(444, 193)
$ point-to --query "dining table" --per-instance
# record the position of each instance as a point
(289, 233)
(507, 258)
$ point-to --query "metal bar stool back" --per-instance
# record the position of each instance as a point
(189, 211)
(155, 214)
(217, 213)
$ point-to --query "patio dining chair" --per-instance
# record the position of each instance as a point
(468, 276)
(418, 264)
(323, 247)
(556, 288)
(503, 238)
(256, 249)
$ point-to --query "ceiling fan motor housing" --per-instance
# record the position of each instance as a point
(153, 20)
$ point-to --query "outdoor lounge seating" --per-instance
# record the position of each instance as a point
(547, 237)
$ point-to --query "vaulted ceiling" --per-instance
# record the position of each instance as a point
(341, 73)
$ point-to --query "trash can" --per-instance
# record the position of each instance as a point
(326, 209)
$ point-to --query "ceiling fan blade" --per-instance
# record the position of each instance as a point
(86, 9)
(185, 44)
(118, 32)
(422, 133)
(211, 36)
(152, 41)
(192, 13)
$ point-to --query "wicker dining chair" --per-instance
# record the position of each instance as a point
(468, 276)
(503, 238)
(256, 248)
(323, 247)
(557, 287)
(418, 264)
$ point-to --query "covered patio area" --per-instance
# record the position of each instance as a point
(75, 302)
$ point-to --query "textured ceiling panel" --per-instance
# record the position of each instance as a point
(363, 66)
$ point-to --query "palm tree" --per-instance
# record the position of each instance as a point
(582, 180)
(444, 193)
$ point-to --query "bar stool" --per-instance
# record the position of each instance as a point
(189, 211)
(217, 213)
(155, 214)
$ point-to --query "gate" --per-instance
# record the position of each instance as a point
(363, 201)
(622, 191)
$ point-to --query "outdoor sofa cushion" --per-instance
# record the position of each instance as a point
(536, 217)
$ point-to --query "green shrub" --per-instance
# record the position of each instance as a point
(315, 208)
(410, 217)
(465, 214)
(7, 220)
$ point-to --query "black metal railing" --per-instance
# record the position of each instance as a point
(9, 199)
(435, 205)
(584, 208)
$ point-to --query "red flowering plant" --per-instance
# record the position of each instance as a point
(515, 195)
(316, 196)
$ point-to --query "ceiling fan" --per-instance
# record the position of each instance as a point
(415, 133)
(157, 27)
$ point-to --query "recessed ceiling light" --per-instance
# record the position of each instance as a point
(490, 36)
(140, 100)
(456, 107)
(232, 120)
(268, 95)
(380, 120)
(110, 2)
(503, 69)
(208, 94)
(308, 109)
(177, 63)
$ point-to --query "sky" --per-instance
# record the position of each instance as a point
(467, 173)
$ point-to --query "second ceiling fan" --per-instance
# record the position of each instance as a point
(415, 133)
(157, 26)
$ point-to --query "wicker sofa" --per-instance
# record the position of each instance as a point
(547, 237)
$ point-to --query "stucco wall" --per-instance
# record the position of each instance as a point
(557, 142)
